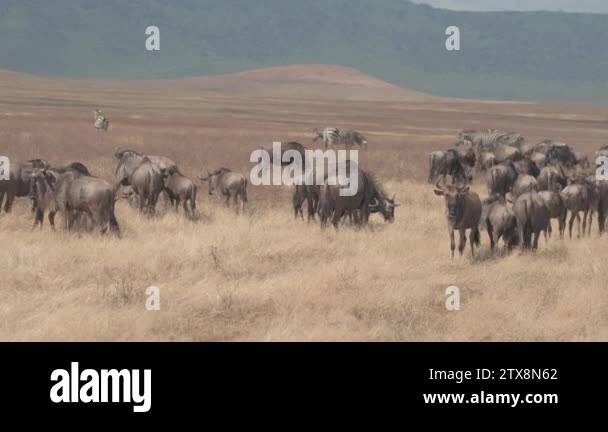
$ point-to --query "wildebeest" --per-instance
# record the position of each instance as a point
(181, 189)
(457, 163)
(42, 189)
(148, 181)
(77, 195)
(505, 153)
(501, 178)
(557, 210)
(224, 182)
(532, 217)
(578, 197)
(333, 204)
(18, 184)
(499, 222)
(552, 177)
(486, 161)
(129, 161)
(602, 207)
(524, 183)
(310, 195)
(526, 166)
(539, 159)
(463, 210)
(559, 152)
(582, 160)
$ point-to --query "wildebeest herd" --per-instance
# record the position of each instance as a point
(528, 186)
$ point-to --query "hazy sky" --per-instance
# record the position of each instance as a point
(597, 6)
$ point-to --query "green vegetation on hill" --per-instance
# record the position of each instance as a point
(505, 55)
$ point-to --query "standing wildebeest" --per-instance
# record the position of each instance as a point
(353, 137)
(499, 222)
(42, 189)
(129, 160)
(486, 161)
(505, 153)
(227, 183)
(463, 209)
(148, 181)
(18, 184)
(74, 196)
(181, 189)
(501, 178)
(532, 217)
(557, 210)
(602, 206)
(552, 177)
(579, 197)
(308, 193)
(524, 183)
(457, 163)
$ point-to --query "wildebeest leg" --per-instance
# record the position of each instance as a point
(585, 215)
(578, 225)
(462, 241)
(2, 193)
(452, 242)
(10, 197)
(52, 218)
(535, 241)
(177, 203)
(590, 222)
(562, 223)
(493, 236)
(571, 222)
(548, 232)
(337, 216)
(185, 206)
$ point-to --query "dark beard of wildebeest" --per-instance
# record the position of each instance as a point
(42, 193)
(333, 205)
(452, 163)
(224, 182)
(499, 222)
(18, 184)
(533, 217)
(463, 209)
(501, 178)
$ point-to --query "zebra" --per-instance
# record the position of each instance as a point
(483, 140)
(354, 137)
(331, 136)
(100, 120)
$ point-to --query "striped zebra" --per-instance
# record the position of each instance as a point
(331, 136)
(483, 140)
(100, 121)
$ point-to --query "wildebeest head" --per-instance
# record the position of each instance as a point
(213, 178)
(385, 206)
(316, 134)
(40, 178)
(454, 195)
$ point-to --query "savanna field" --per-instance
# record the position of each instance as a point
(263, 275)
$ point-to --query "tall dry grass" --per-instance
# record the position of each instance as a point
(262, 275)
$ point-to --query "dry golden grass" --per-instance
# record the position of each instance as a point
(262, 275)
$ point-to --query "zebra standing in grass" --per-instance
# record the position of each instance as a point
(331, 136)
(101, 123)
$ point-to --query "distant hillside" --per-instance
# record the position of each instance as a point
(505, 55)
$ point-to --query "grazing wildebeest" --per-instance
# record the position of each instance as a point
(501, 178)
(181, 189)
(18, 184)
(552, 177)
(532, 217)
(557, 210)
(308, 193)
(524, 183)
(578, 197)
(332, 203)
(499, 222)
(385, 206)
(463, 210)
(457, 163)
(148, 181)
(526, 166)
(226, 183)
(353, 137)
